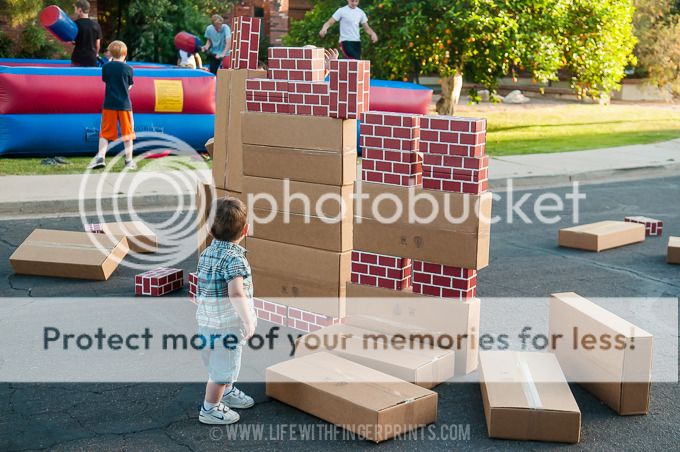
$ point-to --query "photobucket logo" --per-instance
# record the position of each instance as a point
(409, 205)
(171, 180)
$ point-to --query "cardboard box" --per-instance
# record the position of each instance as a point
(426, 367)
(140, 238)
(204, 201)
(303, 165)
(69, 254)
(230, 102)
(299, 132)
(309, 279)
(526, 397)
(673, 256)
(447, 324)
(210, 146)
(601, 236)
(286, 194)
(375, 405)
(464, 244)
(621, 377)
(302, 230)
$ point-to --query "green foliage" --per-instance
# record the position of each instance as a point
(487, 39)
(6, 46)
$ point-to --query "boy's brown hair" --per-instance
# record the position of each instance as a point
(118, 49)
(230, 219)
(83, 5)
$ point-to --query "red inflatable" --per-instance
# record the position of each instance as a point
(187, 42)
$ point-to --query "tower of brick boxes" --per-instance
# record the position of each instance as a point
(299, 137)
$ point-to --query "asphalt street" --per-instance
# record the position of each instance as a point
(525, 262)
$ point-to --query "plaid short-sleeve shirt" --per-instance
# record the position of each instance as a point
(218, 265)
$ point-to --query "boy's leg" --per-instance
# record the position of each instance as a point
(127, 131)
(103, 146)
(214, 392)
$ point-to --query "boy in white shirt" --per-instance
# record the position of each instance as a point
(350, 18)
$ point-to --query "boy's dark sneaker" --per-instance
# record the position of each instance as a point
(96, 163)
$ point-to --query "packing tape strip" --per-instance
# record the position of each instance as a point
(73, 246)
(528, 384)
(351, 379)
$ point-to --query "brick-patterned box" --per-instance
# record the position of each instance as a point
(271, 312)
(391, 167)
(308, 98)
(307, 321)
(350, 81)
(381, 270)
(444, 281)
(652, 227)
(268, 96)
(390, 131)
(245, 42)
(452, 135)
(296, 63)
(193, 286)
(159, 281)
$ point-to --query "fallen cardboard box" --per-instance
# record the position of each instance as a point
(673, 256)
(396, 356)
(526, 397)
(302, 230)
(601, 236)
(287, 196)
(300, 132)
(69, 254)
(372, 404)
(227, 149)
(140, 238)
(317, 279)
(621, 378)
(448, 324)
(463, 242)
(303, 165)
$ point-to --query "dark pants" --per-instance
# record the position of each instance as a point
(351, 49)
(215, 63)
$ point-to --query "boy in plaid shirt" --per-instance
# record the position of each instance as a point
(225, 315)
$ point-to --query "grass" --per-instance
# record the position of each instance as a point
(574, 127)
(25, 166)
(512, 130)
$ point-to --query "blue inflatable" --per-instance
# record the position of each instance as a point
(78, 134)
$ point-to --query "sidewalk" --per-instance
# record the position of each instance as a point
(28, 195)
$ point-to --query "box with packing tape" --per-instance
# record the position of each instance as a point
(454, 228)
(395, 355)
(601, 236)
(140, 238)
(69, 254)
(370, 403)
(607, 355)
(526, 397)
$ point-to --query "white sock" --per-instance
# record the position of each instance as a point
(207, 406)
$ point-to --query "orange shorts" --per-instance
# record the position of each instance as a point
(110, 121)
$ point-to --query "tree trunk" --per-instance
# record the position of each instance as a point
(451, 87)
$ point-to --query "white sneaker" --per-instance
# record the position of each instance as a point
(130, 165)
(96, 163)
(237, 399)
(218, 415)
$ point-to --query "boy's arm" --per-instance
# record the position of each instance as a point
(370, 32)
(329, 23)
(239, 300)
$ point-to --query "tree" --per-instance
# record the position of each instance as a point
(487, 39)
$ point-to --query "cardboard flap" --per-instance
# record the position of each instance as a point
(348, 381)
(66, 247)
(525, 380)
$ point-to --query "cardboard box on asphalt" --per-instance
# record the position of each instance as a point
(227, 150)
(140, 238)
(370, 403)
(309, 231)
(300, 132)
(526, 397)
(408, 361)
(673, 256)
(286, 196)
(616, 367)
(452, 324)
(601, 236)
(69, 254)
(304, 165)
(204, 200)
(310, 279)
(461, 240)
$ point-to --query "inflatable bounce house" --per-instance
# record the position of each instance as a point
(48, 107)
